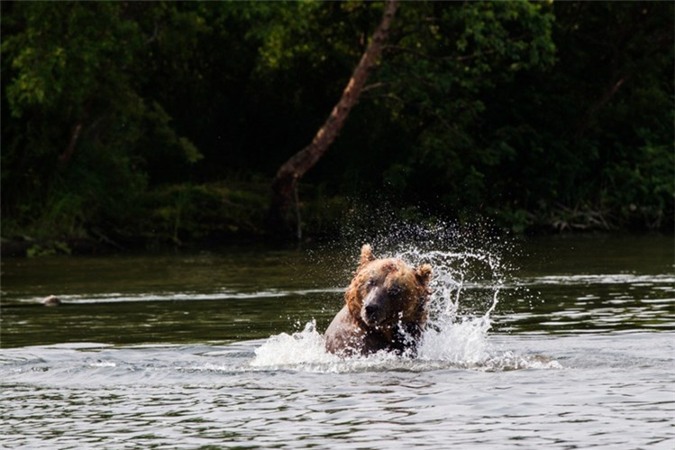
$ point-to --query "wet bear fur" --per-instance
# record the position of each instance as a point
(385, 308)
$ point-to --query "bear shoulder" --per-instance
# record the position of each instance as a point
(344, 334)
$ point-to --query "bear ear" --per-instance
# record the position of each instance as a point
(366, 255)
(423, 273)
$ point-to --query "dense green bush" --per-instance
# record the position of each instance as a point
(141, 119)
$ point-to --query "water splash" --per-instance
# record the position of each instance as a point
(468, 276)
(302, 348)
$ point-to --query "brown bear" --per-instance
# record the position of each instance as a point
(385, 308)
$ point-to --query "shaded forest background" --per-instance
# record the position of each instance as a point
(137, 122)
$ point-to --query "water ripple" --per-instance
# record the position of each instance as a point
(614, 391)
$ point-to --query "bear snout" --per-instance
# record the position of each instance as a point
(374, 310)
(371, 314)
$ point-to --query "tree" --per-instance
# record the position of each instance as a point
(447, 61)
(476, 107)
(78, 125)
(284, 185)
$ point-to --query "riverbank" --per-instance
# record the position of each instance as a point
(171, 216)
(198, 215)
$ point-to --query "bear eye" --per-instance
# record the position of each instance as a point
(371, 282)
(394, 291)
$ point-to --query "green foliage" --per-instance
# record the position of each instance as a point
(509, 123)
(449, 57)
(187, 212)
(65, 53)
(132, 119)
(79, 131)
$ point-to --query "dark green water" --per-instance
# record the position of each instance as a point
(563, 284)
(220, 296)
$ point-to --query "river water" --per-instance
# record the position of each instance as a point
(564, 342)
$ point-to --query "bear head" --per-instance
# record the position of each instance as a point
(386, 292)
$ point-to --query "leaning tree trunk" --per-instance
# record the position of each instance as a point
(284, 185)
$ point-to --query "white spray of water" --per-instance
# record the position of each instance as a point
(465, 291)
(305, 347)
(454, 337)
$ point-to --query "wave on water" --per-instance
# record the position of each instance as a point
(457, 333)
(178, 296)
(589, 279)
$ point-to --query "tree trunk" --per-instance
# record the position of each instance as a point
(64, 158)
(284, 185)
